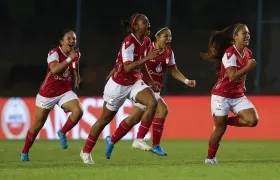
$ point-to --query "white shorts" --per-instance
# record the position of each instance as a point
(49, 103)
(220, 106)
(116, 94)
(143, 107)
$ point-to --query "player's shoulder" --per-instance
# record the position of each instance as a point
(129, 39)
(169, 49)
(54, 50)
(249, 51)
(230, 49)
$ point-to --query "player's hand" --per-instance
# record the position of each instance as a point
(152, 54)
(156, 86)
(252, 63)
(73, 54)
(191, 83)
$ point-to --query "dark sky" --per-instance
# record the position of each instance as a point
(31, 27)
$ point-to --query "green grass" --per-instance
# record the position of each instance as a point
(239, 160)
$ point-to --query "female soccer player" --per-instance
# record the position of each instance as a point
(126, 83)
(233, 60)
(63, 62)
(156, 68)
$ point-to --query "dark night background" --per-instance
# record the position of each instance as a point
(29, 28)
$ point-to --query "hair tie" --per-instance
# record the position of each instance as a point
(236, 28)
(133, 20)
(160, 30)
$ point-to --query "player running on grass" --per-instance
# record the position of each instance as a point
(126, 83)
(233, 60)
(57, 89)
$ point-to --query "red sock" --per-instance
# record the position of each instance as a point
(143, 129)
(158, 124)
(68, 126)
(90, 143)
(29, 140)
(121, 131)
(234, 121)
(212, 150)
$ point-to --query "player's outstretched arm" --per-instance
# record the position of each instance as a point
(176, 74)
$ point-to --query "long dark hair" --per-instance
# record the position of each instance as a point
(218, 43)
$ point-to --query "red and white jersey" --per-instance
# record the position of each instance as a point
(131, 50)
(157, 66)
(232, 89)
(56, 85)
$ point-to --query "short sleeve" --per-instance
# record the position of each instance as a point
(250, 54)
(128, 52)
(53, 56)
(229, 60)
(172, 60)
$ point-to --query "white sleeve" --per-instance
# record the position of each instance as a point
(128, 52)
(229, 60)
(172, 59)
(53, 56)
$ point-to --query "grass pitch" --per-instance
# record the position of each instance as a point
(239, 160)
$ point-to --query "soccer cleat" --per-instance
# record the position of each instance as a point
(141, 144)
(24, 156)
(109, 147)
(62, 139)
(86, 157)
(211, 161)
(159, 151)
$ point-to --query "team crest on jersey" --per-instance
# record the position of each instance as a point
(167, 60)
(159, 68)
(66, 73)
(229, 54)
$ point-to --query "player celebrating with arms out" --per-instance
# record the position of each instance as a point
(156, 68)
(126, 83)
(233, 60)
(57, 89)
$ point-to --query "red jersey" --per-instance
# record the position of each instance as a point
(56, 85)
(232, 89)
(157, 66)
(131, 50)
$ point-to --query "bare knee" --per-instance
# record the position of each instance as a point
(220, 124)
(104, 119)
(253, 122)
(77, 112)
(152, 104)
(162, 110)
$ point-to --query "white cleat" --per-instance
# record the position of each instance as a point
(141, 144)
(86, 157)
(211, 161)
